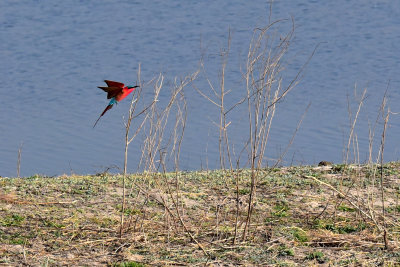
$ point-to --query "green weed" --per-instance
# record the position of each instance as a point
(13, 220)
(129, 264)
(284, 251)
(300, 235)
(316, 255)
(346, 208)
(280, 210)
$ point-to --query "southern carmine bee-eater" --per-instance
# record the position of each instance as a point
(116, 91)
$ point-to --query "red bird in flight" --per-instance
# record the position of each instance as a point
(116, 91)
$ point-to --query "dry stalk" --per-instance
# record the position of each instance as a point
(353, 121)
(385, 116)
(371, 132)
(149, 149)
(371, 139)
(346, 197)
(217, 98)
(282, 155)
(352, 144)
(127, 128)
(136, 98)
(382, 148)
(19, 159)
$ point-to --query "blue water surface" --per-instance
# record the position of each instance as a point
(55, 53)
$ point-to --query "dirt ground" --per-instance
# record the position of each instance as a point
(321, 216)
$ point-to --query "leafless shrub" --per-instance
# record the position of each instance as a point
(265, 89)
(162, 141)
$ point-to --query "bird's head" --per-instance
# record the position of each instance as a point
(132, 87)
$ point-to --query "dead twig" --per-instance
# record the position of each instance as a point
(345, 197)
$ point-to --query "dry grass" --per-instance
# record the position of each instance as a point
(303, 215)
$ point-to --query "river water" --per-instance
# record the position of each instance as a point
(55, 53)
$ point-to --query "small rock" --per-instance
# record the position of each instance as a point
(325, 163)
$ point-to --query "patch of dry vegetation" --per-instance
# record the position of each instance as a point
(303, 215)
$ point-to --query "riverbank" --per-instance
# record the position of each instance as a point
(329, 215)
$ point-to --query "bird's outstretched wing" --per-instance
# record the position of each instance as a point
(111, 91)
(114, 84)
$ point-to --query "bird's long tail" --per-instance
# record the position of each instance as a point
(104, 112)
